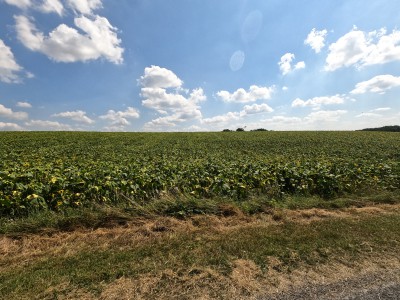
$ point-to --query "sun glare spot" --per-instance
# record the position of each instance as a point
(251, 26)
(237, 60)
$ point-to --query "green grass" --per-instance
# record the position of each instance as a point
(181, 207)
(294, 245)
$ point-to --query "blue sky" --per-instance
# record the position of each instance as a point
(198, 65)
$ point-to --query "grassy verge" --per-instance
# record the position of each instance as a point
(181, 207)
(199, 251)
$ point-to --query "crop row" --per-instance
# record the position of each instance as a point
(77, 174)
(56, 187)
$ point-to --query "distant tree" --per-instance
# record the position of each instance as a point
(240, 129)
(226, 130)
(259, 129)
(394, 128)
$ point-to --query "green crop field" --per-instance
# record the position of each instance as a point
(182, 215)
(58, 170)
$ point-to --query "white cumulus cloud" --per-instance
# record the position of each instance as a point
(300, 65)
(78, 116)
(162, 91)
(84, 6)
(222, 119)
(10, 71)
(325, 115)
(378, 84)
(79, 7)
(9, 126)
(164, 102)
(317, 102)
(120, 118)
(285, 64)
(66, 44)
(157, 77)
(45, 6)
(348, 50)
(247, 110)
(19, 3)
(173, 119)
(23, 104)
(47, 125)
(361, 48)
(242, 96)
(316, 39)
(256, 109)
(49, 6)
(10, 114)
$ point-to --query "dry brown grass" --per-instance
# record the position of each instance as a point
(245, 281)
(314, 214)
(27, 247)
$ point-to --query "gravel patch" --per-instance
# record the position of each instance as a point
(375, 286)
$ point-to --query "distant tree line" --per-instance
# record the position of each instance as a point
(242, 129)
(259, 129)
(393, 128)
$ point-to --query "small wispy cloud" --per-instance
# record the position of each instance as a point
(285, 64)
(316, 39)
(78, 116)
(24, 104)
(378, 84)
